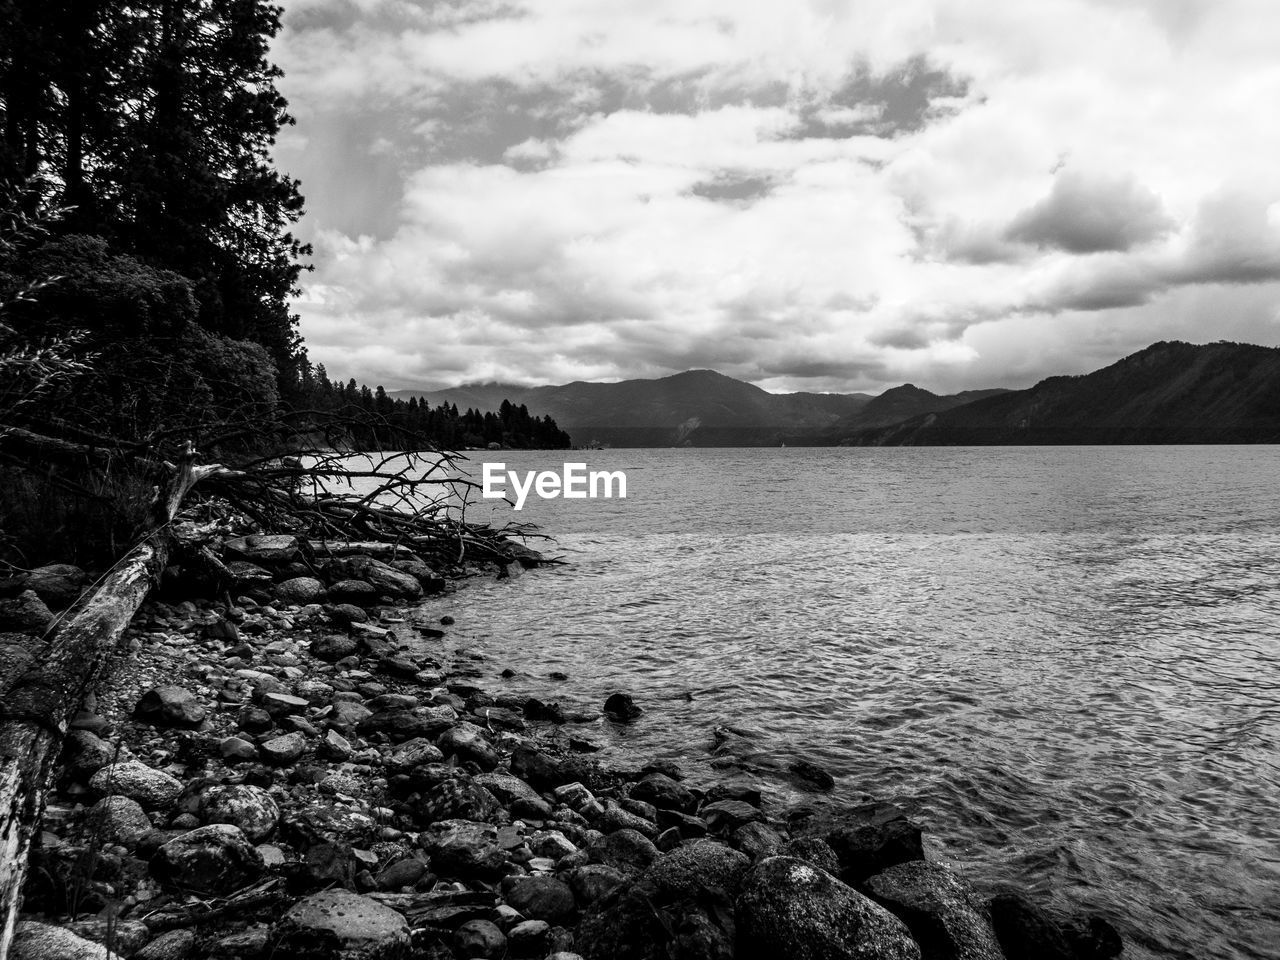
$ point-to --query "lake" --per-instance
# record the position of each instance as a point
(1065, 662)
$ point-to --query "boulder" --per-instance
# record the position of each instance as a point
(621, 708)
(812, 774)
(124, 937)
(624, 850)
(247, 807)
(248, 576)
(43, 941)
(137, 781)
(265, 548)
(25, 613)
(383, 578)
(119, 820)
(59, 585)
(725, 816)
(540, 898)
(479, 938)
(359, 593)
(1026, 931)
(529, 938)
(505, 787)
(332, 647)
(216, 859)
(324, 823)
(347, 613)
(464, 848)
(283, 750)
(340, 925)
(947, 917)
(84, 753)
(173, 945)
(428, 579)
(170, 706)
(686, 870)
(458, 799)
(594, 881)
(467, 741)
(867, 839)
(789, 908)
(301, 590)
(664, 793)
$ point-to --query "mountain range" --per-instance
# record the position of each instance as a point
(1170, 392)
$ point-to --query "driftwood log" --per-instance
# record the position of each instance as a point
(37, 709)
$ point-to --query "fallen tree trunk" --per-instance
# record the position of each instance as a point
(38, 707)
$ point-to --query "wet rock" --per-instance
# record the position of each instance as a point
(170, 706)
(624, 850)
(812, 774)
(466, 741)
(479, 938)
(725, 816)
(340, 925)
(664, 793)
(544, 771)
(621, 708)
(173, 945)
(540, 898)
(867, 839)
(249, 808)
(354, 592)
(216, 859)
(428, 579)
(757, 840)
(1026, 931)
(301, 590)
(945, 914)
(137, 781)
(383, 578)
(25, 613)
(458, 800)
(1092, 938)
(540, 711)
(403, 724)
(59, 585)
(613, 818)
(464, 848)
(42, 941)
(789, 908)
(332, 647)
(283, 750)
(118, 820)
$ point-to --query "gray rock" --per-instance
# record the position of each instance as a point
(664, 793)
(505, 787)
(332, 647)
(949, 919)
(59, 585)
(466, 741)
(283, 750)
(540, 898)
(594, 881)
(458, 799)
(85, 753)
(340, 925)
(529, 939)
(249, 808)
(248, 576)
(621, 708)
(790, 908)
(1026, 931)
(42, 941)
(479, 938)
(301, 590)
(137, 781)
(25, 613)
(383, 578)
(464, 848)
(216, 859)
(360, 593)
(119, 820)
(686, 870)
(867, 839)
(124, 937)
(173, 945)
(265, 548)
(171, 706)
(347, 613)
(237, 750)
(428, 579)
(624, 850)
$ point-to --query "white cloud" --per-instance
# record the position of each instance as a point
(814, 196)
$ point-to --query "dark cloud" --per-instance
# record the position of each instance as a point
(732, 186)
(1084, 214)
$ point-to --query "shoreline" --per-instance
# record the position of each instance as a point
(353, 779)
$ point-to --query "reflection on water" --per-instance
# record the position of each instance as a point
(1065, 659)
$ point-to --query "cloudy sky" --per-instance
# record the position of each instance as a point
(829, 195)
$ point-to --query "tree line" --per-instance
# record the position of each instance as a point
(147, 264)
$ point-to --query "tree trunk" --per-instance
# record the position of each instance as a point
(39, 706)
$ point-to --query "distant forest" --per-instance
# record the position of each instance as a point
(391, 422)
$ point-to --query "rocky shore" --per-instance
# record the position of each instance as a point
(303, 768)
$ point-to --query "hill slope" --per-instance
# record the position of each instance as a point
(1170, 392)
(695, 408)
(903, 403)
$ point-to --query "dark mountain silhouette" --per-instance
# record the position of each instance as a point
(696, 408)
(902, 403)
(1171, 392)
